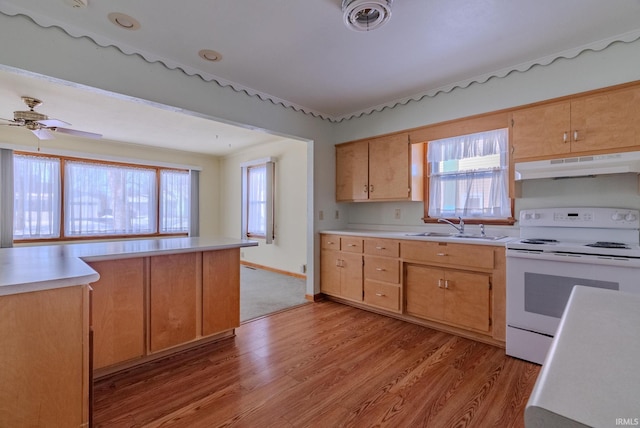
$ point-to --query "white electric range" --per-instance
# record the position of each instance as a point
(559, 248)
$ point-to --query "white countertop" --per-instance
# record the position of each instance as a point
(410, 236)
(591, 376)
(24, 269)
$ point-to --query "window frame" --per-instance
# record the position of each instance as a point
(270, 184)
(62, 216)
(468, 125)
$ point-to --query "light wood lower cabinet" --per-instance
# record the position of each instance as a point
(454, 297)
(118, 306)
(220, 290)
(341, 267)
(44, 358)
(173, 299)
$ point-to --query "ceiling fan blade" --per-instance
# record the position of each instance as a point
(77, 133)
(43, 134)
(50, 123)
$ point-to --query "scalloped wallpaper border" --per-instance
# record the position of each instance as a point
(46, 22)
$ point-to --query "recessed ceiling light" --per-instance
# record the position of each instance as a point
(124, 21)
(210, 55)
(366, 15)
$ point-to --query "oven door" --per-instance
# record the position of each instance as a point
(539, 285)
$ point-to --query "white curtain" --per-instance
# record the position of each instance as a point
(258, 197)
(469, 176)
(6, 198)
(174, 201)
(108, 200)
(36, 188)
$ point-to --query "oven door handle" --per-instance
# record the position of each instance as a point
(574, 258)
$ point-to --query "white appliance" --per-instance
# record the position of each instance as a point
(612, 163)
(559, 248)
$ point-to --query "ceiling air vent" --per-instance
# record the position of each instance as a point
(366, 15)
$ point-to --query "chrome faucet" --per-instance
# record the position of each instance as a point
(459, 227)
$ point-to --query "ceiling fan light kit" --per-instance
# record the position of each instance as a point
(366, 15)
(41, 125)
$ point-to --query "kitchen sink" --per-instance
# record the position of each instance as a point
(457, 235)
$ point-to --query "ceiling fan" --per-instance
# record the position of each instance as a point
(41, 125)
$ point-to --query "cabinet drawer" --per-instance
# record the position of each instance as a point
(330, 242)
(382, 295)
(463, 255)
(351, 244)
(382, 247)
(382, 269)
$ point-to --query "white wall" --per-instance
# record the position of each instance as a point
(288, 251)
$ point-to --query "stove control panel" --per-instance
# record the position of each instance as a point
(614, 218)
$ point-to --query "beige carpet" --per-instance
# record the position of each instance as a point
(263, 292)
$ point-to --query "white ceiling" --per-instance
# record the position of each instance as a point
(301, 54)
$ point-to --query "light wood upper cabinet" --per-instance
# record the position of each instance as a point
(118, 311)
(220, 290)
(381, 169)
(598, 123)
(542, 131)
(173, 288)
(352, 171)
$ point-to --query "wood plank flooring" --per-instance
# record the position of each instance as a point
(323, 365)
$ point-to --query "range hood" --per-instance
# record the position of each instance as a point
(614, 163)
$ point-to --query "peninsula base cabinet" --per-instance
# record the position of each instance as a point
(145, 307)
(44, 355)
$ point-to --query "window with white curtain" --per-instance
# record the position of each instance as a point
(258, 199)
(175, 193)
(36, 189)
(468, 176)
(109, 199)
(98, 199)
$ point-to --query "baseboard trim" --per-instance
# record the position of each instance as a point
(314, 297)
(270, 269)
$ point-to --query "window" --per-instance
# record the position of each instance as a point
(98, 199)
(469, 176)
(257, 199)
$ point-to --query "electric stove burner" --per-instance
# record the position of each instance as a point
(604, 244)
(536, 241)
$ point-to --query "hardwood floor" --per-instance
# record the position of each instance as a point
(323, 365)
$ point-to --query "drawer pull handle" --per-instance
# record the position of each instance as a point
(442, 254)
(351, 245)
(330, 242)
(380, 294)
(446, 283)
(440, 283)
(366, 188)
(380, 269)
(380, 248)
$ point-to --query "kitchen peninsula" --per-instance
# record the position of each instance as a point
(150, 298)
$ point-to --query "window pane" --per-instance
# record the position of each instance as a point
(469, 176)
(175, 192)
(109, 199)
(37, 197)
(257, 200)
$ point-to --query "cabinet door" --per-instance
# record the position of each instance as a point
(389, 167)
(220, 290)
(606, 121)
(173, 287)
(424, 292)
(351, 276)
(541, 131)
(467, 299)
(330, 272)
(352, 171)
(117, 311)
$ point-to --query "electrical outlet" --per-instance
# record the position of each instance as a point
(337, 216)
(242, 254)
(321, 215)
(303, 268)
(397, 214)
